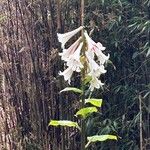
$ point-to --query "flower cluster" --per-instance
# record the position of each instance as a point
(72, 57)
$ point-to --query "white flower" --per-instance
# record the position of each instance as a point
(68, 52)
(96, 48)
(73, 63)
(74, 59)
(101, 57)
(63, 38)
(95, 83)
(94, 68)
(67, 74)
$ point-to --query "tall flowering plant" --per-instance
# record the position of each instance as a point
(87, 58)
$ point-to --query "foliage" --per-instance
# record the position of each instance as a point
(94, 101)
(124, 28)
(100, 138)
(64, 123)
(76, 90)
(84, 112)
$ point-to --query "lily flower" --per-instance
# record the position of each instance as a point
(64, 38)
(73, 63)
(74, 59)
(67, 74)
(94, 68)
(95, 83)
(102, 58)
(68, 52)
(96, 48)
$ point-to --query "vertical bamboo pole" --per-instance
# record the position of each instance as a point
(58, 16)
(82, 13)
(83, 76)
(141, 136)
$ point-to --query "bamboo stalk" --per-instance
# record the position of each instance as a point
(141, 132)
(82, 78)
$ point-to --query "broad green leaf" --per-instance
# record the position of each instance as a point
(86, 111)
(76, 90)
(95, 102)
(100, 138)
(64, 123)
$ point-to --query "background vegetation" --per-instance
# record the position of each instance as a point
(29, 66)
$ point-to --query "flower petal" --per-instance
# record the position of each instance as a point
(95, 83)
(100, 46)
(93, 45)
(63, 38)
(102, 57)
(94, 68)
(74, 60)
(96, 48)
(68, 52)
(67, 74)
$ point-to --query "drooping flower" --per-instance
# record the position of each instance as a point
(68, 52)
(102, 58)
(94, 68)
(67, 74)
(95, 83)
(63, 38)
(95, 48)
(74, 59)
(73, 63)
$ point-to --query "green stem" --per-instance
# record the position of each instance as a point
(83, 122)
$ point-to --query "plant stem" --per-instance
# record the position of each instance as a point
(83, 126)
(82, 79)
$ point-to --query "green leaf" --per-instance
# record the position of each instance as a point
(87, 79)
(111, 63)
(135, 55)
(100, 138)
(95, 102)
(84, 112)
(148, 52)
(131, 25)
(76, 90)
(64, 123)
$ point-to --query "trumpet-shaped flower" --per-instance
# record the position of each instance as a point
(95, 83)
(67, 74)
(94, 68)
(64, 38)
(95, 48)
(101, 57)
(73, 63)
(68, 52)
(74, 60)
